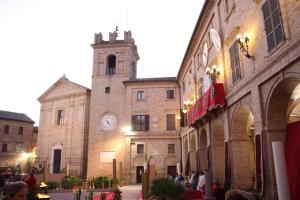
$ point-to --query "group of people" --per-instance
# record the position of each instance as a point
(196, 181)
(17, 190)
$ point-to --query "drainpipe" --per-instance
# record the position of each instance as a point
(180, 139)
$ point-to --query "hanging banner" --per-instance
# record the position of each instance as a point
(212, 98)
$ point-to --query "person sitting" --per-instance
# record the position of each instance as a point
(16, 191)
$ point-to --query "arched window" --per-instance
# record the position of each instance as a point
(111, 65)
(107, 90)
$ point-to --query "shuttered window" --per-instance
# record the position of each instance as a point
(170, 94)
(273, 23)
(140, 149)
(140, 95)
(171, 148)
(140, 122)
(60, 117)
(6, 129)
(171, 122)
(4, 148)
(235, 62)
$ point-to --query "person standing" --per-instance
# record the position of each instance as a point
(201, 183)
(31, 183)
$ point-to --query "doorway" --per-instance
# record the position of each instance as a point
(139, 171)
(56, 160)
(172, 171)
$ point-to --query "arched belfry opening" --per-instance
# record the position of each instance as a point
(111, 65)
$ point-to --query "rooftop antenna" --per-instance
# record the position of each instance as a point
(116, 29)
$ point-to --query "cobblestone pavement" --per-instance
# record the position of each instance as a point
(129, 192)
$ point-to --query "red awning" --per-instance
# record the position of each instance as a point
(213, 98)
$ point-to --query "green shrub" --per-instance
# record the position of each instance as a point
(68, 182)
(164, 189)
(52, 185)
(101, 181)
(117, 181)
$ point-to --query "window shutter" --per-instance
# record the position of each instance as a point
(146, 122)
(181, 118)
(133, 120)
(273, 23)
(235, 62)
(171, 122)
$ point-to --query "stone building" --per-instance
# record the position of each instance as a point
(252, 50)
(16, 136)
(130, 118)
(63, 130)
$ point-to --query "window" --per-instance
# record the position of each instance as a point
(273, 23)
(171, 148)
(140, 148)
(183, 118)
(140, 122)
(60, 117)
(235, 62)
(21, 130)
(6, 129)
(171, 122)
(111, 65)
(170, 94)
(107, 90)
(183, 86)
(140, 95)
(4, 148)
(18, 147)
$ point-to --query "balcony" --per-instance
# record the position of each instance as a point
(211, 103)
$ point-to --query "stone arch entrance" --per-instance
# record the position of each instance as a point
(218, 153)
(243, 148)
(202, 152)
(283, 127)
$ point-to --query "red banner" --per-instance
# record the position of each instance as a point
(211, 99)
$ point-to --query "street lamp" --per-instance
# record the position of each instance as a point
(243, 41)
(213, 73)
(26, 157)
(127, 130)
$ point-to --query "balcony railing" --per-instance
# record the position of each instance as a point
(212, 102)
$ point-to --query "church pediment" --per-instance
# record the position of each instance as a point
(61, 88)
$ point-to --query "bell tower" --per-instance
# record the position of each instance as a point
(115, 57)
(114, 62)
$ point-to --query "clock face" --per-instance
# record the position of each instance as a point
(108, 122)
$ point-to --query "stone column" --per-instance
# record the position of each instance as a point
(280, 170)
(208, 186)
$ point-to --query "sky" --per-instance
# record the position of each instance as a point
(40, 40)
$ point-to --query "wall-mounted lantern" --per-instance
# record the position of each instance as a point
(187, 105)
(243, 42)
(213, 73)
